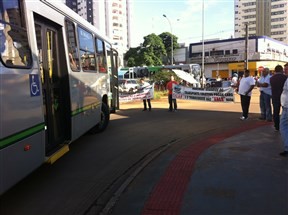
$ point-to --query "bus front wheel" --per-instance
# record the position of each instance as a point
(105, 117)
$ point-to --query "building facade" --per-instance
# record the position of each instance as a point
(264, 17)
(225, 57)
(112, 17)
(181, 54)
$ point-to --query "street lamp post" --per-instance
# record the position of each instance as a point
(171, 38)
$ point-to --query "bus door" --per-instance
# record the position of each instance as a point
(115, 76)
(113, 64)
(54, 78)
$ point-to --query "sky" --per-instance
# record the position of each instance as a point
(185, 17)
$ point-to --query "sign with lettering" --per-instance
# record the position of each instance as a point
(214, 94)
(137, 94)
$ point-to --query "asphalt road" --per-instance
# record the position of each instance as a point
(86, 178)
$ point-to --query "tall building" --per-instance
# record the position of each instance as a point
(112, 17)
(264, 18)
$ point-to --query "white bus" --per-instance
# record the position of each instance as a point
(140, 72)
(194, 69)
(56, 83)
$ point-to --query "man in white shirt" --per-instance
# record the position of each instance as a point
(284, 115)
(143, 85)
(234, 80)
(265, 95)
(246, 85)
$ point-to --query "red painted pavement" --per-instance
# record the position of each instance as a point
(167, 195)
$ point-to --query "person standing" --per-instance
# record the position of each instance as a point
(284, 115)
(246, 85)
(143, 85)
(234, 80)
(265, 95)
(169, 87)
(277, 82)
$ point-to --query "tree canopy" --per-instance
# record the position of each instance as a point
(166, 39)
(152, 52)
(163, 76)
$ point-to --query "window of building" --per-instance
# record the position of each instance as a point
(249, 4)
(249, 17)
(217, 52)
(278, 26)
(278, 33)
(249, 10)
(277, 13)
(278, 19)
(252, 29)
(235, 51)
(278, 6)
(196, 54)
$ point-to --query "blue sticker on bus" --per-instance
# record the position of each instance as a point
(34, 85)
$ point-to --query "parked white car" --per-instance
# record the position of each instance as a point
(128, 85)
(209, 81)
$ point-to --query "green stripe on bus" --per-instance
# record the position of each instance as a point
(88, 107)
(21, 135)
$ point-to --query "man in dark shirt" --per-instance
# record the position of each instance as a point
(277, 81)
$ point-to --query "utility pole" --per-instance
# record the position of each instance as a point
(246, 46)
(203, 49)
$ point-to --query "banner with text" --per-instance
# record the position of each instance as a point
(215, 94)
(138, 94)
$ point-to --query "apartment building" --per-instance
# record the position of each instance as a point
(264, 18)
(112, 17)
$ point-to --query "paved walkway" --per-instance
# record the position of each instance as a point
(235, 172)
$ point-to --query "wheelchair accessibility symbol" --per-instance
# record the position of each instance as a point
(34, 85)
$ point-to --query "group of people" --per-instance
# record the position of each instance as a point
(169, 87)
(272, 88)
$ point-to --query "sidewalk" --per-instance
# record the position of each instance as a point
(236, 172)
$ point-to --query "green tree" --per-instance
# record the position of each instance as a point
(166, 39)
(163, 76)
(152, 51)
(132, 57)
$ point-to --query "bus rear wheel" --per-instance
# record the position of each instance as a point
(105, 117)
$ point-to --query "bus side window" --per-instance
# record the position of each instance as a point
(72, 46)
(87, 50)
(15, 51)
(102, 64)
